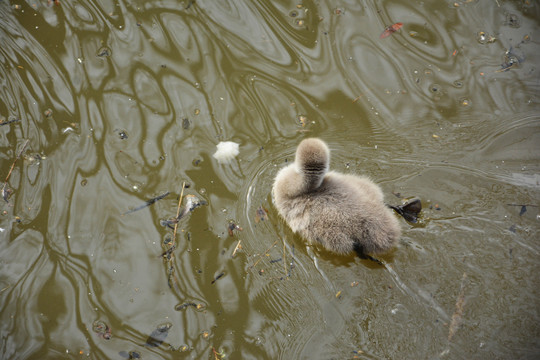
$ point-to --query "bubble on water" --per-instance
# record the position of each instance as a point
(481, 37)
(464, 102)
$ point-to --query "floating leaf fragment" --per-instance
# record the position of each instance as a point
(218, 355)
(390, 30)
(231, 227)
(458, 314)
(302, 119)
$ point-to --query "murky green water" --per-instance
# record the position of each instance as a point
(140, 93)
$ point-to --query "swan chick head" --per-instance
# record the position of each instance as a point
(312, 157)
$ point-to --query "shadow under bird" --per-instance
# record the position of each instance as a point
(342, 212)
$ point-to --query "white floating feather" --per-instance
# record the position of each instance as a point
(226, 151)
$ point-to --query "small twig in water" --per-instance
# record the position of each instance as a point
(263, 254)
(218, 277)
(11, 169)
(238, 246)
(167, 253)
(178, 212)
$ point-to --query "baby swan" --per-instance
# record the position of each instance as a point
(342, 212)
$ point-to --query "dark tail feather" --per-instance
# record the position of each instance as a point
(410, 210)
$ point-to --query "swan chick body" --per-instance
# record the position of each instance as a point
(342, 212)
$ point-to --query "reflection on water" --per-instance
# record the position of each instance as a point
(122, 101)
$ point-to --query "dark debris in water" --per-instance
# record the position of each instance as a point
(181, 307)
(191, 203)
(512, 20)
(167, 254)
(104, 52)
(186, 123)
(219, 276)
(147, 203)
(6, 193)
(159, 335)
(232, 227)
(510, 60)
(5, 122)
(522, 208)
(122, 134)
(130, 355)
(261, 214)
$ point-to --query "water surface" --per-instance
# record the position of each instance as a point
(123, 101)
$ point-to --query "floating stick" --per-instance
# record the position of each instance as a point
(178, 211)
(12, 166)
(260, 256)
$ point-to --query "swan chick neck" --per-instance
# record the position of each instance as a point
(312, 161)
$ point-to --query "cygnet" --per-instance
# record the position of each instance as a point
(342, 212)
